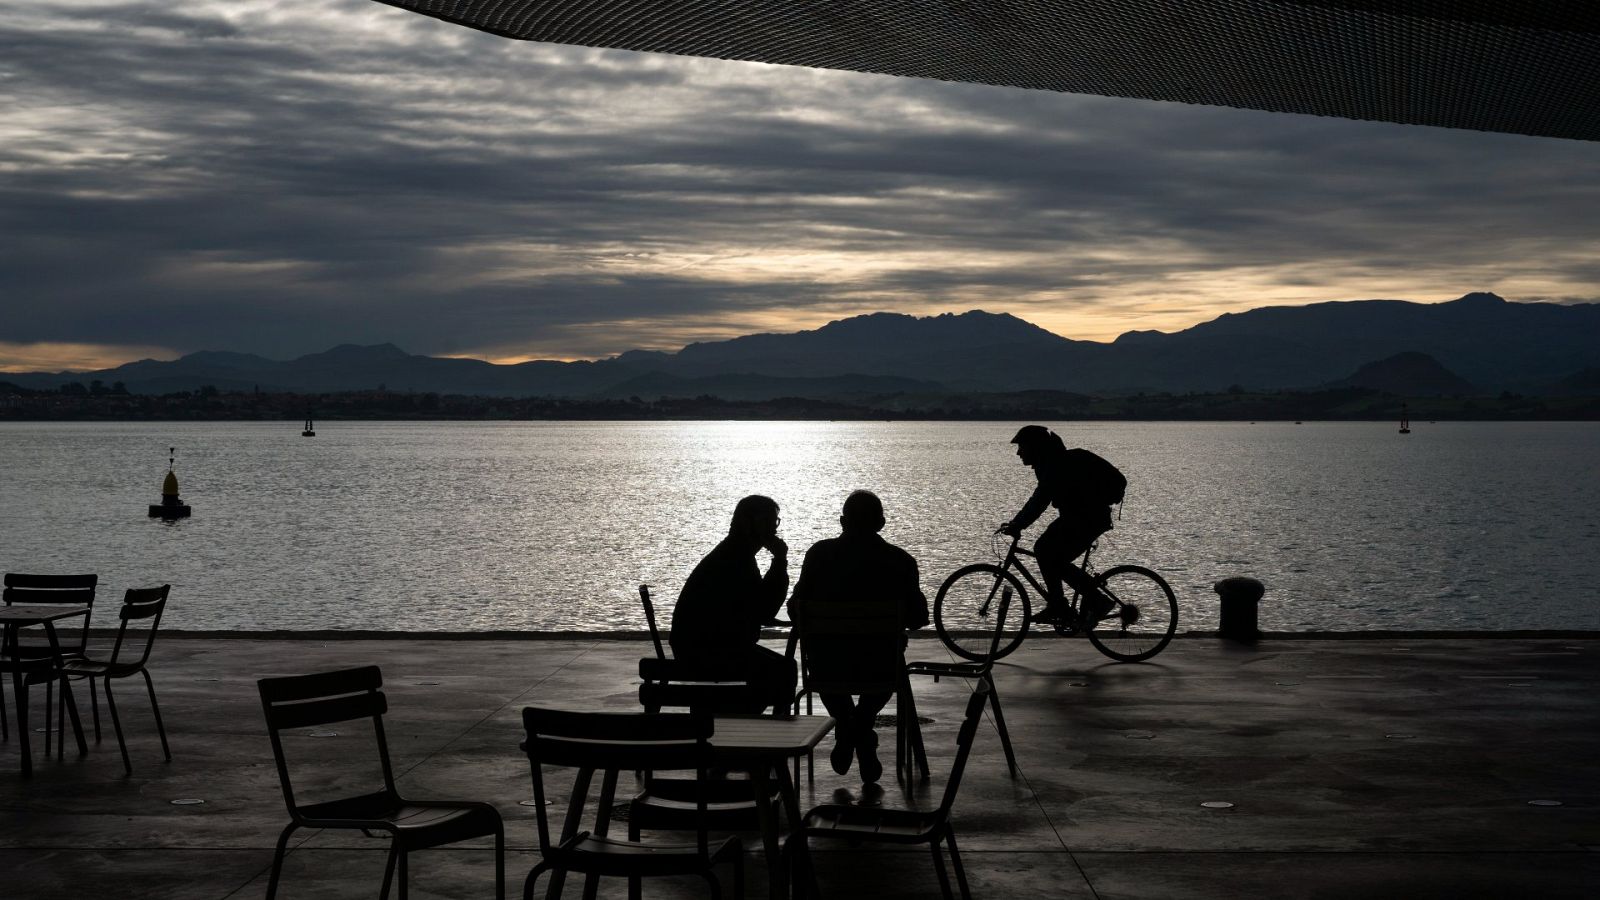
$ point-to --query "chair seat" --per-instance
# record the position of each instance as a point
(944, 669)
(893, 825)
(98, 668)
(616, 857)
(670, 803)
(417, 824)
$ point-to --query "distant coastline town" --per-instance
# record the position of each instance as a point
(97, 401)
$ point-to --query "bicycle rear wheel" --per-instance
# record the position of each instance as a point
(967, 604)
(1142, 619)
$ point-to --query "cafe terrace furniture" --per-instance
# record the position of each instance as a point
(894, 826)
(609, 743)
(30, 670)
(979, 671)
(143, 605)
(856, 647)
(295, 703)
(33, 590)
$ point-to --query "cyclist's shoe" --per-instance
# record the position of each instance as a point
(1096, 606)
(1053, 615)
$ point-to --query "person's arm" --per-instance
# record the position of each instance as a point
(1030, 511)
(802, 591)
(914, 606)
(774, 584)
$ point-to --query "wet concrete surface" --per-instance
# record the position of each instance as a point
(1398, 766)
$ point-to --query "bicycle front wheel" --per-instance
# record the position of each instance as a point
(967, 606)
(1143, 617)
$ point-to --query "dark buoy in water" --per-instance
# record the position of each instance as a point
(310, 431)
(171, 506)
(1405, 420)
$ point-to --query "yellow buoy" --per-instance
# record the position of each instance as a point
(171, 506)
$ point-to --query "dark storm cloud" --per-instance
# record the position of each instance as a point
(250, 177)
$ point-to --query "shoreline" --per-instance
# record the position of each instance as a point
(507, 635)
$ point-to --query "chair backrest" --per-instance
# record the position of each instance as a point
(964, 739)
(304, 701)
(650, 619)
(853, 646)
(138, 605)
(612, 742)
(71, 590)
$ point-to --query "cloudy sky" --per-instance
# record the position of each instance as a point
(280, 177)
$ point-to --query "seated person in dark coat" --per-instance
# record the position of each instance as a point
(860, 566)
(717, 621)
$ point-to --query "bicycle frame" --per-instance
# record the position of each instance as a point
(1014, 563)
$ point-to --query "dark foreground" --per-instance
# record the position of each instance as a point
(1392, 767)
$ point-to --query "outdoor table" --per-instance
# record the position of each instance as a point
(19, 616)
(762, 745)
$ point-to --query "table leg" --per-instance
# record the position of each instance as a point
(760, 778)
(20, 696)
(66, 691)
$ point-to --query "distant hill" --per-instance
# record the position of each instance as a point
(1408, 375)
(1480, 339)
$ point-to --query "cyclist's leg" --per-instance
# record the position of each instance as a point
(1051, 552)
(1064, 541)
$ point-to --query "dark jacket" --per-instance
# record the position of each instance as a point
(862, 565)
(725, 602)
(1062, 476)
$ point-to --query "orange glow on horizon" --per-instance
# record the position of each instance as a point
(61, 356)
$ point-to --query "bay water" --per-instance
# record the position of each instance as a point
(551, 526)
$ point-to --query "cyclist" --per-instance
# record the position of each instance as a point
(1066, 481)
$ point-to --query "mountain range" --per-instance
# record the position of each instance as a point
(1480, 343)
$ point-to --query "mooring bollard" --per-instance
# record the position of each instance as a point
(1240, 596)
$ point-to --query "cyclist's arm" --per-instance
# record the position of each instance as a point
(1031, 510)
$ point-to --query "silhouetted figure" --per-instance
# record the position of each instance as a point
(859, 566)
(717, 621)
(1082, 487)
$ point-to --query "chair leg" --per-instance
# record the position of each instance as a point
(738, 877)
(49, 713)
(938, 868)
(94, 708)
(116, 725)
(714, 884)
(558, 880)
(388, 863)
(160, 729)
(500, 862)
(1000, 726)
(529, 883)
(277, 860)
(405, 874)
(955, 863)
(5, 724)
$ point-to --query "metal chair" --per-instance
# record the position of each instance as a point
(28, 655)
(303, 701)
(981, 671)
(609, 743)
(897, 826)
(855, 647)
(138, 605)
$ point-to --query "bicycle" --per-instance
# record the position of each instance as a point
(1139, 624)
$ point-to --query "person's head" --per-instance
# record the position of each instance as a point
(755, 518)
(863, 513)
(1033, 441)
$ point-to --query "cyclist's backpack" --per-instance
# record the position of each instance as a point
(1100, 479)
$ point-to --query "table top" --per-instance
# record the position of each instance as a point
(768, 735)
(38, 613)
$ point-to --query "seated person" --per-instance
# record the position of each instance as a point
(717, 621)
(860, 566)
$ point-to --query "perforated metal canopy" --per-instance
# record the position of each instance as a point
(1518, 66)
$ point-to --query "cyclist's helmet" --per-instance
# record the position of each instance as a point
(1032, 435)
